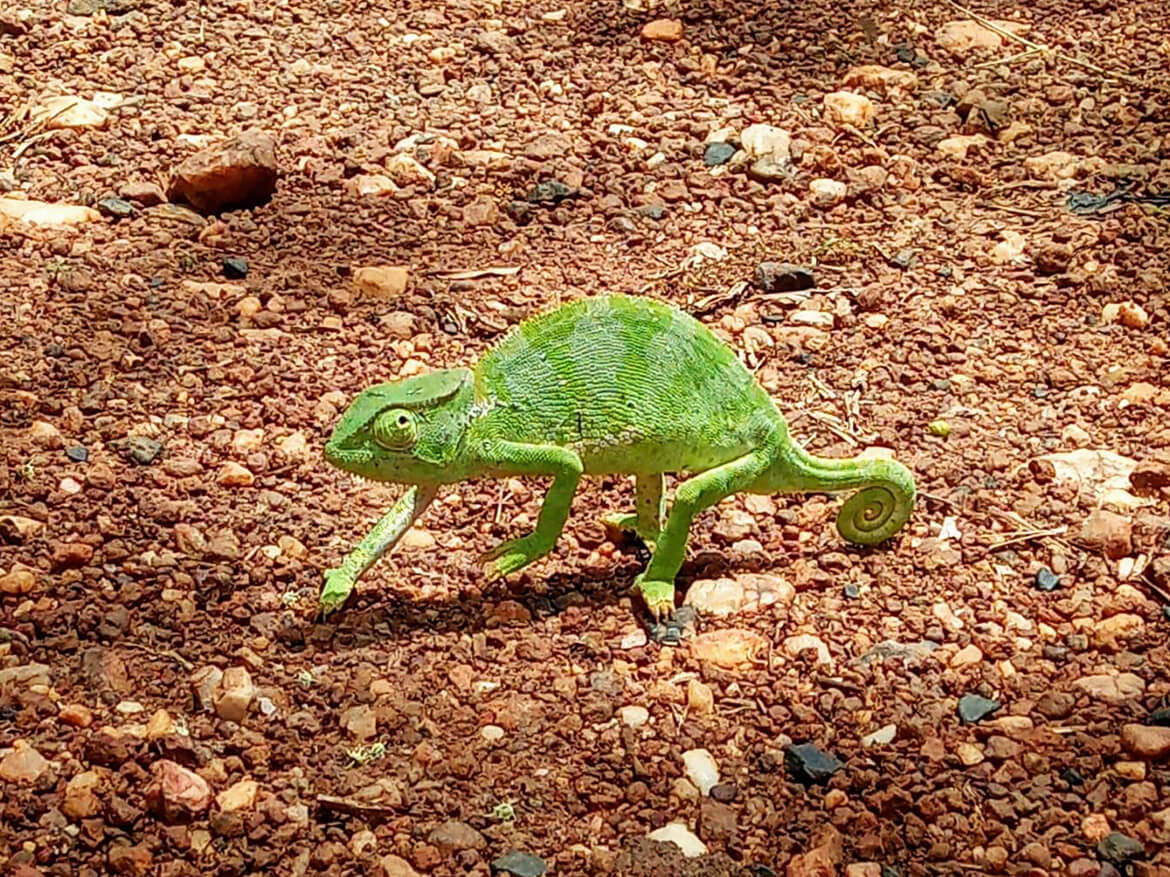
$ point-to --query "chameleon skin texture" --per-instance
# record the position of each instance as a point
(604, 385)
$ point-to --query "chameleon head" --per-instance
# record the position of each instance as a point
(407, 431)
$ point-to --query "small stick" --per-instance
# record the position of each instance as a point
(350, 807)
(1016, 57)
(1048, 50)
(1007, 208)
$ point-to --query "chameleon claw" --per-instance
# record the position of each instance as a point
(335, 592)
(658, 597)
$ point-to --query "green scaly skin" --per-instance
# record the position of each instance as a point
(605, 385)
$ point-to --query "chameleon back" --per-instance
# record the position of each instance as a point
(629, 384)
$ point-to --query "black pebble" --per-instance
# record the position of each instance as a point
(235, 268)
(1161, 717)
(1119, 849)
(852, 591)
(808, 764)
(77, 453)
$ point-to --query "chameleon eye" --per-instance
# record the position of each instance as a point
(395, 430)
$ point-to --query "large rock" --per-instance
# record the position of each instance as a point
(1146, 741)
(966, 36)
(1108, 532)
(177, 793)
(240, 172)
(236, 692)
(23, 764)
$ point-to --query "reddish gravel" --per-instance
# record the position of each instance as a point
(168, 703)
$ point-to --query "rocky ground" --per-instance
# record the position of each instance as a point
(928, 236)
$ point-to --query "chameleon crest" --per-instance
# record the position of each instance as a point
(605, 385)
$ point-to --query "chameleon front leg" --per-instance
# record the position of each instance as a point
(513, 458)
(650, 505)
(339, 581)
(656, 584)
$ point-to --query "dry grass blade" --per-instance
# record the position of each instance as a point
(1049, 51)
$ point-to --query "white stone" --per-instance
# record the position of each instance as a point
(827, 193)
(701, 769)
(634, 715)
(766, 141)
(881, 736)
(682, 837)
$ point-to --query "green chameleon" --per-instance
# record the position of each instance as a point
(603, 385)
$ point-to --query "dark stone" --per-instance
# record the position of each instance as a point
(1160, 717)
(671, 631)
(974, 707)
(1047, 580)
(235, 268)
(1072, 776)
(143, 451)
(77, 453)
(718, 153)
(115, 207)
(520, 865)
(809, 764)
(782, 277)
(852, 591)
(520, 211)
(549, 192)
(1119, 849)
(724, 792)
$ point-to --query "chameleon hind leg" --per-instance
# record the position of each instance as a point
(650, 514)
(565, 467)
(656, 584)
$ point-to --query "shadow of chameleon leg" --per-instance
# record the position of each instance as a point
(656, 585)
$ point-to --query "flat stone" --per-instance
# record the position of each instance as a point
(974, 707)
(1120, 849)
(1146, 741)
(682, 837)
(454, 836)
(718, 153)
(240, 172)
(23, 765)
(176, 792)
(784, 277)
(809, 764)
(519, 864)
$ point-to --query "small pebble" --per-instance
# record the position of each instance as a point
(143, 451)
(77, 453)
(115, 207)
(701, 769)
(1120, 849)
(973, 707)
(235, 268)
(1047, 580)
(810, 764)
(718, 153)
(519, 864)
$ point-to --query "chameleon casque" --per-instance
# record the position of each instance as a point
(603, 385)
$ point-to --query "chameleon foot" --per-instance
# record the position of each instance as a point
(513, 555)
(619, 525)
(658, 596)
(338, 586)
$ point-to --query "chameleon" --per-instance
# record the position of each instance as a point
(602, 385)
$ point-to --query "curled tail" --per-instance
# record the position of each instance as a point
(885, 491)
